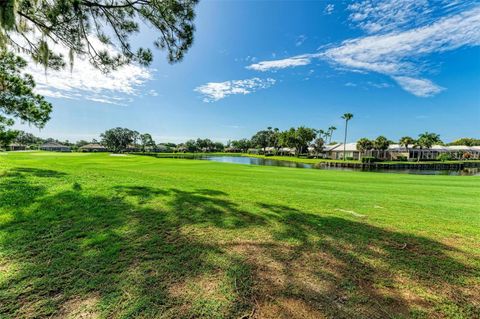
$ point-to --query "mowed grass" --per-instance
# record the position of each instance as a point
(100, 236)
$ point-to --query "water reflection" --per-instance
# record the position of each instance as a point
(273, 162)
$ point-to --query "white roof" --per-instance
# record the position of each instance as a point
(332, 147)
(349, 147)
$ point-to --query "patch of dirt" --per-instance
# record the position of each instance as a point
(79, 308)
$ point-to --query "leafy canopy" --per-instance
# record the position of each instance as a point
(90, 27)
(17, 99)
(117, 139)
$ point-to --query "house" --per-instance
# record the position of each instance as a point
(95, 147)
(337, 151)
(400, 152)
(54, 147)
(17, 147)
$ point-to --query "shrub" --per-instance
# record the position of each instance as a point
(444, 157)
(402, 158)
(349, 158)
(369, 159)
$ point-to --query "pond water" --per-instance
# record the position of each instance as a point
(273, 162)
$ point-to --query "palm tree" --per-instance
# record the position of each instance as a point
(406, 141)
(347, 117)
(427, 140)
(330, 133)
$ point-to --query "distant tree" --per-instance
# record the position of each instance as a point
(81, 143)
(243, 145)
(6, 137)
(364, 145)
(191, 146)
(261, 139)
(323, 134)
(297, 139)
(274, 138)
(466, 141)
(330, 131)
(406, 141)
(381, 143)
(347, 117)
(117, 139)
(25, 138)
(218, 147)
(136, 138)
(17, 97)
(427, 140)
(318, 145)
(146, 141)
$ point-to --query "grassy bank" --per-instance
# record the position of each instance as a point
(94, 235)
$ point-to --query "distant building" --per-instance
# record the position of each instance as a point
(17, 147)
(95, 147)
(54, 147)
(396, 152)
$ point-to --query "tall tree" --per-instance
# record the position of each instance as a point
(381, 143)
(364, 145)
(406, 141)
(88, 27)
(17, 99)
(274, 138)
(427, 140)
(297, 139)
(331, 129)
(318, 145)
(347, 117)
(146, 141)
(117, 139)
(261, 139)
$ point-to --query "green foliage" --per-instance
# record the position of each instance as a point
(146, 141)
(261, 139)
(318, 145)
(242, 144)
(427, 140)
(71, 24)
(406, 141)
(369, 159)
(17, 99)
(381, 143)
(117, 139)
(364, 144)
(466, 141)
(444, 157)
(297, 138)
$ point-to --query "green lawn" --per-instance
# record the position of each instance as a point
(99, 236)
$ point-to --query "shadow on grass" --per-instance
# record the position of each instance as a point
(163, 254)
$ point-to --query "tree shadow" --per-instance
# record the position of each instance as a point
(177, 253)
(67, 249)
(344, 268)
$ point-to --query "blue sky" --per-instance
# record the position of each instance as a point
(401, 67)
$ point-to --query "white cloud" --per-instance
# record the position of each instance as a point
(396, 54)
(350, 84)
(300, 39)
(215, 91)
(387, 15)
(281, 64)
(85, 80)
(418, 87)
(153, 93)
(329, 8)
